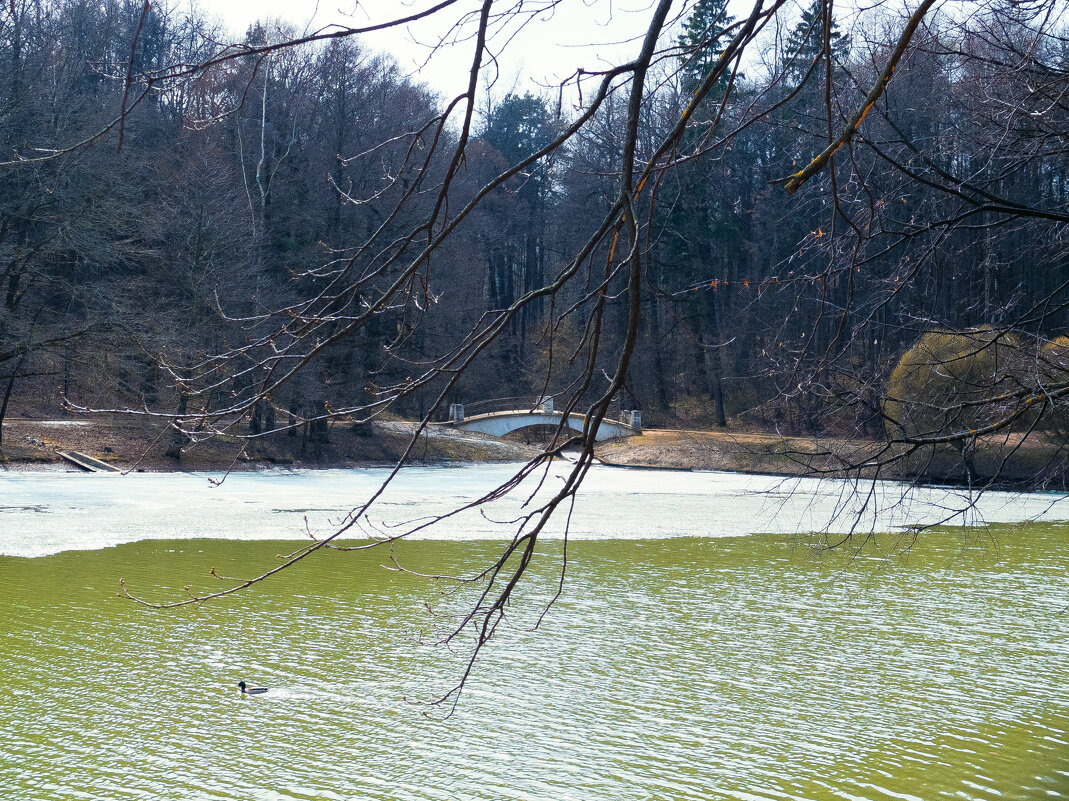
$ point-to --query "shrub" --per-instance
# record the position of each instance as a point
(953, 381)
(1054, 370)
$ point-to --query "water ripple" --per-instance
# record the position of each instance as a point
(669, 670)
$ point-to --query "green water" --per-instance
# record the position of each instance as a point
(744, 668)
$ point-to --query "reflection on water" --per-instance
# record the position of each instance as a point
(690, 668)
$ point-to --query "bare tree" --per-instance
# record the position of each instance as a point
(835, 162)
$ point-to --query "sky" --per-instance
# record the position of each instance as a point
(588, 33)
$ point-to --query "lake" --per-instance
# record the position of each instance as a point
(702, 647)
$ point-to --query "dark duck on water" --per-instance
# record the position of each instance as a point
(251, 690)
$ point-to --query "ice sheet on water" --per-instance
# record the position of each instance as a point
(45, 513)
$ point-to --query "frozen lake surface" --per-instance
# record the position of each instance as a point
(43, 513)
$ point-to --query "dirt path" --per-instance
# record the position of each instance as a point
(136, 443)
(1006, 460)
(133, 443)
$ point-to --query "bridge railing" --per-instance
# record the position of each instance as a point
(534, 403)
(516, 403)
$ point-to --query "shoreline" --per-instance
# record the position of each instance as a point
(133, 444)
(1003, 463)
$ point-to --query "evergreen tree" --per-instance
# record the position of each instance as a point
(518, 126)
(804, 52)
(701, 41)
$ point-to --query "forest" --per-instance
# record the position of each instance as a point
(809, 221)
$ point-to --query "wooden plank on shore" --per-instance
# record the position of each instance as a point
(87, 462)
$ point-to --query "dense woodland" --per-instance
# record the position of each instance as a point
(917, 283)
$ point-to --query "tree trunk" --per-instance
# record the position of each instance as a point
(178, 438)
(657, 346)
(7, 395)
(714, 367)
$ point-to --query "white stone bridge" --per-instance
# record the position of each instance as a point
(501, 422)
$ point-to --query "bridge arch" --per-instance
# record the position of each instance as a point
(499, 424)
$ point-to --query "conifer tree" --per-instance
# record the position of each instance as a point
(804, 52)
(701, 41)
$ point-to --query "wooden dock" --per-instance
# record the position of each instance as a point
(87, 462)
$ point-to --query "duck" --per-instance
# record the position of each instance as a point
(251, 690)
